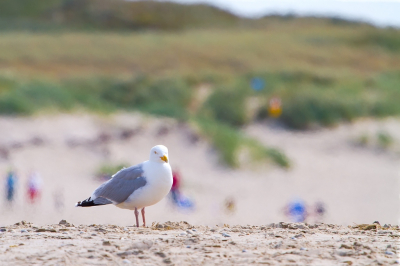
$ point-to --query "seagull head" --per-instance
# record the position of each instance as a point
(159, 154)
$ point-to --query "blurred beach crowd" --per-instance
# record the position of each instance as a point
(31, 190)
(295, 211)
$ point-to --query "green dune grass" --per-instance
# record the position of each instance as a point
(325, 71)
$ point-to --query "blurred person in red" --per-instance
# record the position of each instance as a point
(176, 183)
(178, 199)
(34, 187)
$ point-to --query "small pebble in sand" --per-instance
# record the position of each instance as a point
(389, 253)
(167, 261)
(126, 261)
(225, 235)
(160, 254)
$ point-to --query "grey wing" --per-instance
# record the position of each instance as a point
(122, 184)
(101, 201)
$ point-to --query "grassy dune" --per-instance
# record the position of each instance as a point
(325, 71)
(327, 50)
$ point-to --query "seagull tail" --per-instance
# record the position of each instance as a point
(90, 203)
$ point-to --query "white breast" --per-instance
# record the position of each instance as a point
(159, 183)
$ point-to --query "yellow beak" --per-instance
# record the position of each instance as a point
(164, 158)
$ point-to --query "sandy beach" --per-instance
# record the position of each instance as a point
(357, 184)
(174, 243)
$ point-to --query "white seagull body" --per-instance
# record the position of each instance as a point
(158, 184)
(136, 187)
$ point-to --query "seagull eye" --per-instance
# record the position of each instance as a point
(155, 152)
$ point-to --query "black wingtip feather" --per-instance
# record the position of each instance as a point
(89, 202)
(85, 203)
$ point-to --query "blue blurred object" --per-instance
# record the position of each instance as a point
(178, 199)
(182, 202)
(257, 84)
(185, 202)
(10, 186)
(297, 211)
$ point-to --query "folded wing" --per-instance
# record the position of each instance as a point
(121, 185)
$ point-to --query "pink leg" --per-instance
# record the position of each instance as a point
(137, 217)
(144, 218)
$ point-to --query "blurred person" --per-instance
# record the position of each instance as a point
(257, 84)
(176, 183)
(319, 211)
(275, 107)
(11, 182)
(230, 205)
(34, 187)
(178, 199)
(296, 210)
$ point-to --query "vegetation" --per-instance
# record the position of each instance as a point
(156, 96)
(105, 55)
(381, 139)
(229, 142)
(362, 140)
(106, 171)
(388, 39)
(385, 140)
(227, 106)
(164, 97)
(112, 14)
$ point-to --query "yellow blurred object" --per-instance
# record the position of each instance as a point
(230, 205)
(275, 107)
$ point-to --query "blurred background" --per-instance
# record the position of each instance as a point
(271, 110)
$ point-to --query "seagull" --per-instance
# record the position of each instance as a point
(136, 187)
